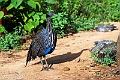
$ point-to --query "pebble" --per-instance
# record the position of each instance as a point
(66, 69)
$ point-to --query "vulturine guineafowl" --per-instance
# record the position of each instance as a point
(103, 46)
(43, 43)
(105, 28)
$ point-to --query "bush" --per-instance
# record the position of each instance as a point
(58, 22)
(72, 15)
(26, 12)
(85, 14)
(10, 40)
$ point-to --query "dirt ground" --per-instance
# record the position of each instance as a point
(70, 60)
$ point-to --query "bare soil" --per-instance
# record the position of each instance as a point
(70, 60)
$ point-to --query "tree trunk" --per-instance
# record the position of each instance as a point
(118, 52)
(0, 21)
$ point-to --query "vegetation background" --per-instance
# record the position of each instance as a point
(24, 17)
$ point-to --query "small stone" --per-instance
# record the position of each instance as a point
(94, 70)
(113, 65)
(66, 69)
(9, 55)
(93, 65)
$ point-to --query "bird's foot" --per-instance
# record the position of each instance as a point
(47, 68)
(50, 68)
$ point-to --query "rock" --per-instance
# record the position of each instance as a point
(113, 65)
(66, 69)
(94, 70)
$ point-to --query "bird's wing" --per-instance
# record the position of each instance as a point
(36, 48)
(37, 45)
(47, 40)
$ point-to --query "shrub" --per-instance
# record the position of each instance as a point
(26, 12)
(85, 14)
(58, 22)
(72, 15)
(10, 40)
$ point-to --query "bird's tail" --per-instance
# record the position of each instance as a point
(29, 55)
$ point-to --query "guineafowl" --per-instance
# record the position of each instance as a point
(43, 43)
(105, 28)
(102, 46)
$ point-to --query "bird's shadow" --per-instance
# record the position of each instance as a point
(63, 58)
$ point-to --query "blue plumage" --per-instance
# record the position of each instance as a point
(44, 43)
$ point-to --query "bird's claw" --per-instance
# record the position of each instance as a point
(47, 68)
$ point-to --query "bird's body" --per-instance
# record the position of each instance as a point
(103, 46)
(105, 28)
(43, 43)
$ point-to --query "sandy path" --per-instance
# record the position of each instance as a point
(72, 51)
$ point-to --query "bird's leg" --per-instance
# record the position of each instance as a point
(42, 64)
(47, 66)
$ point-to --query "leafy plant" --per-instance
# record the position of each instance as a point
(73, 15)
(58, 22)
(1, 14)
(2, 29)
(10, 40)
(25, 11)
(85, 14)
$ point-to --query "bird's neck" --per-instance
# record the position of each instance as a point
(49, 25)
